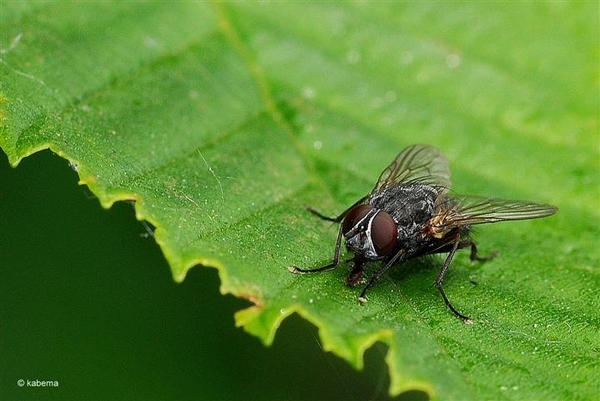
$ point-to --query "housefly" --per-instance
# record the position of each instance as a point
(411, 212)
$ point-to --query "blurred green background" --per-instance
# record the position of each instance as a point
(88, 300)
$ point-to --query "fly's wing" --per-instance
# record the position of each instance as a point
(461, 210)
(416, 163)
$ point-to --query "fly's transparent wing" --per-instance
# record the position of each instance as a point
(460, 210)
(416, 163)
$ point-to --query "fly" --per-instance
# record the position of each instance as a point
(411, 212)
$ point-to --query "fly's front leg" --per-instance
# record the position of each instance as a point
(320, 215)
(356, 275)
(336, 219)
(338, 242)
(331, 266)
(399, 256)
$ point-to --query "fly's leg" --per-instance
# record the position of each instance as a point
(331, 266)
(338, 243)
(474, 254)
(336, 219)
(356, 275)
(320, 215)
(397, 257)
(440, 278)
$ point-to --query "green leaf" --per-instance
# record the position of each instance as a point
(223, 120)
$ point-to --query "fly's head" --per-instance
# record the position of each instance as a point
(369, 232)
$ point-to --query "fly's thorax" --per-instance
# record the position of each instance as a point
(409, 204)
(369, 231)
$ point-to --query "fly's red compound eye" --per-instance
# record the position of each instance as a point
(384, 233)
(356, 214)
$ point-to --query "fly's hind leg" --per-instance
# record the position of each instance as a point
(439, 282)
(474, 252)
